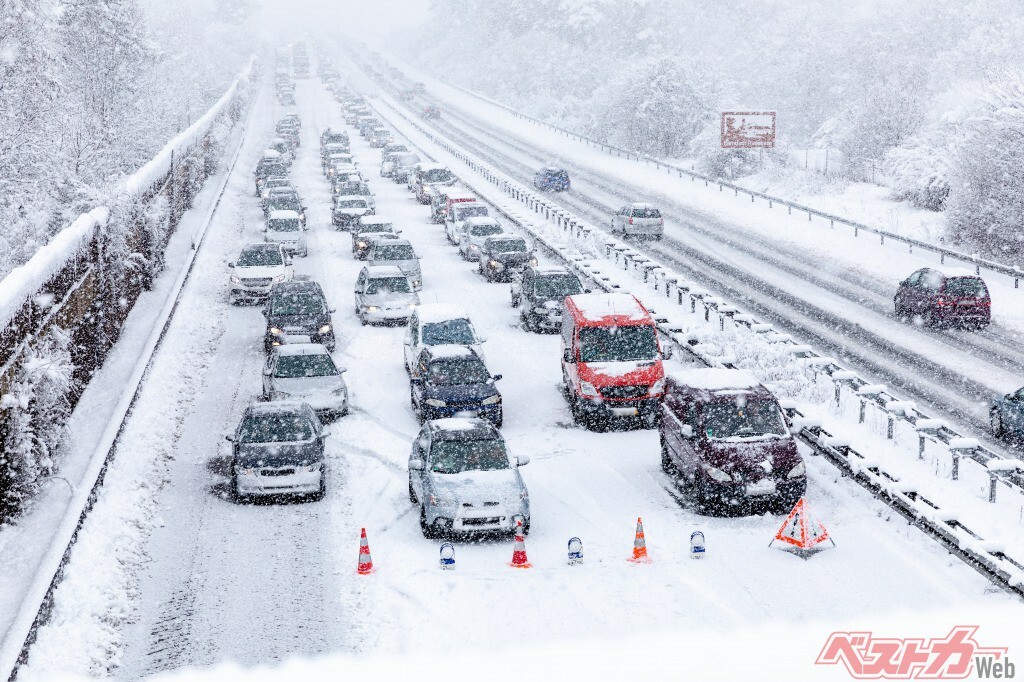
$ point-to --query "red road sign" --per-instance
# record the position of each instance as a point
(748, 129)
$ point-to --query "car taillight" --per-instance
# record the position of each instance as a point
(661, 221)
(940, 301)
(630, 221)
(987, 303)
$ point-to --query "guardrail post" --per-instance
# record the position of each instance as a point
(920, 446)
(839, 391)
(992, 481)
(956, 463)
(889, 428)
(863, 407)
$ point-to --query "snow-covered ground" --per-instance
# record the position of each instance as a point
(258, 583)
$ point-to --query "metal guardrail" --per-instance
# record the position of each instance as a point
(989, 559)
(1013, 271)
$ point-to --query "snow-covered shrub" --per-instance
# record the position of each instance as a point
(727, 164)
(37, 408)
(986, 201)
(918, 171)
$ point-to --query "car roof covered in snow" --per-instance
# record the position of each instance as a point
(602, 309)
(719, 381)
(260, 247)
(551, 270)
(296, 286)
(476, 220)
(291, 407)
(433, 313)
(283, 215)
(953, 271)
(382, 271)
(429, 165)
(640, 204)
(271, 154)
(374, 220)
(399, 242)
(301, 349)
(462, 428)
(449, 351)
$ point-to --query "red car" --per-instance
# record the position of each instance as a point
(431, 111)
(611, 360)
(944, 298)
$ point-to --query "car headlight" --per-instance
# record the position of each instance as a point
(245, 470)
(474, 247)
(524, 494)
(371, 308)
(361, 245)
(658, 387)
(717, 474)
(340, 391)
(492, 400)
(235, 279)
(280, 395)
(280, 278)
(417, 283)
(434, 402)
(435, 500)
(313, 467)
(413, 305)
(797, 471)
(540, 310)
(533, 261)
(493, 263)
(587, 389)
(324, 329)
(275, 331)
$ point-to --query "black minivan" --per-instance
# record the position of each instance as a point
(297, 312)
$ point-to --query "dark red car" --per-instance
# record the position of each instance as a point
(723, 435)
(944, 298)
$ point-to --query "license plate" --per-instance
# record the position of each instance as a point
(763, 487)
(624, 411)
(486, 521)
(277, 472)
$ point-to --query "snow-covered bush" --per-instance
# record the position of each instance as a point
(986, 201)
(918, 171)
(37, 408)
(726, 164)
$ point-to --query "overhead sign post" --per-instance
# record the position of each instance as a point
(748, 129)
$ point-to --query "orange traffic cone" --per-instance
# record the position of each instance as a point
(519, 559)
(640, 545)
(365, 562)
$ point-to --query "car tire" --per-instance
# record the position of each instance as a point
(429, 532)
(500, 420)
(322, 492)
(412, 493)
(667, 465)
(996, 422)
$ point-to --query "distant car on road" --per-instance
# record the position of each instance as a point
(472, 234)
(431, 111)
(504, 257)
(348, 210)
(285, 228)
(1006, 415)
(306, 372)
(278, 449)
(540, 296)
(944, 298)
(552, 178)
(639, 220)
(464, 480)
(397, 252)
(434, 324)
(368, 228)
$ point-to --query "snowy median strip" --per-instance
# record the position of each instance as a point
(580, 245)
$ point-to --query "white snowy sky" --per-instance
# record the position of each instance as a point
(358, 16)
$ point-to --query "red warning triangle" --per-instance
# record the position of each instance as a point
(801, 529)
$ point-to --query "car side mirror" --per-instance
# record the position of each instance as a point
(231, 265)
(331, 310)
(416, 465)
(416, 380)
(586, 291)
(325, 432)
(481, 339)
(567, 356)
(230, 438)
(686, 430)
(496, 377)
(522, 460)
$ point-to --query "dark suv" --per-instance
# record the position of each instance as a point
(724, 436)
(944, 298)
(450, 380)
(551, 178)
(297, 312)
(540, 296)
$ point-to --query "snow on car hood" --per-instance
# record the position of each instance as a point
(277, 454)
(639, 372)
(390, 298)
(259, 271)
(502, 486)
(308, 386)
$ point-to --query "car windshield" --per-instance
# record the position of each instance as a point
(285, 203)
(556, 174)
(352, 203)
(458, 331)
(437, 175)
(407, 159)
(275, 428)
(556, 286)
(254, 258)
(966, 287)
(284, 225)
(457, 456)
(743, 418)
(393, 252)
(507, 245)
(485, 230)
(395, 285)
(297, 304)
(296, 366)
(646, 213)
(618, 344)
(457, 372)
(376, 227)
(471, 212)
